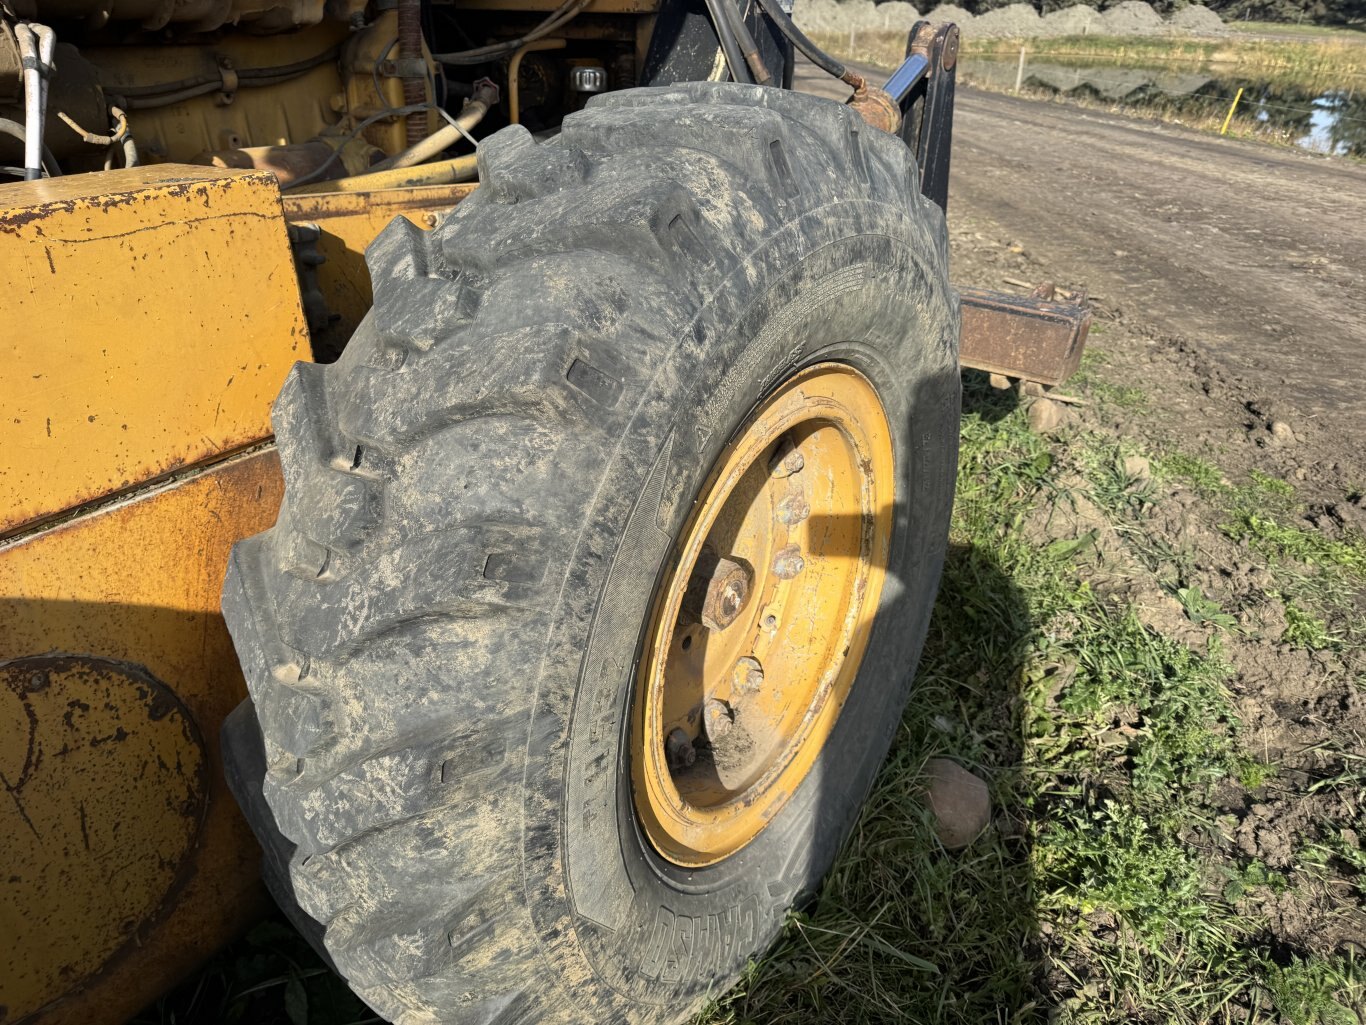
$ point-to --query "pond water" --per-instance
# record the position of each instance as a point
(1322, 117)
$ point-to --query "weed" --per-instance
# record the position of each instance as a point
(1202, 475)
(1200, 609)
(1311, 548)
(1314, 991)
(1304, 630)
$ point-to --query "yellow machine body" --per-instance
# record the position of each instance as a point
(148, 319)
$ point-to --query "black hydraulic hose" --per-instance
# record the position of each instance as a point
(16, 130)
(748, 47)
(814, 53)
(730, 46)
(281, 73)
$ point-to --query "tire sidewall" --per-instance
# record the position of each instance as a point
(628, 932)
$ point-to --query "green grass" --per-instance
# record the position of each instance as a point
(1102, 892)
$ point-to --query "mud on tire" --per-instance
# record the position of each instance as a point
(440, 631)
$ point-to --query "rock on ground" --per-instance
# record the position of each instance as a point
(960, 802)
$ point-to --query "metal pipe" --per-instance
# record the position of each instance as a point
(36, 43)
(446, 172)
(515, 73)
(485, 96)
(904, 78)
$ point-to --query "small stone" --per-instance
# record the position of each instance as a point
(960, 802)
(1280, 430)
(999, 381)
(1138, 468)
(1031, 389)
(1044, 415)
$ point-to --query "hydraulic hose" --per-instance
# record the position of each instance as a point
(16, 131)
(745, 40)
(483, 54)
(730, 46)
(36, 43)
(814, 53)
(447, 135)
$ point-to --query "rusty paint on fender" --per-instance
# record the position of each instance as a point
(126, 861)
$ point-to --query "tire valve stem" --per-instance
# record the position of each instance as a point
(679, 751)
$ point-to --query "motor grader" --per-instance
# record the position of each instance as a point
(564, 412)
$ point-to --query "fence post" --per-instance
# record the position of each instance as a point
(1232, 107)
(1019, 72)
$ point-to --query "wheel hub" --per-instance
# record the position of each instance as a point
(758, 628)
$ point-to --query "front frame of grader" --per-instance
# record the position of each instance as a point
(151, 316)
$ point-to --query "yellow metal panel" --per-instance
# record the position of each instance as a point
(349, 222)
(126, 860)
(148, 319)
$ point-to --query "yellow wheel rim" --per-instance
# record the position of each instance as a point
(759, 627)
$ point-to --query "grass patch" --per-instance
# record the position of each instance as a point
(1313, 991)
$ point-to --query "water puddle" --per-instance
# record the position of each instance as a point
(1329, 118)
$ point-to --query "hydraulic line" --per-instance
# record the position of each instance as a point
(36, 43)
(15, 130)
(814, 53)
(447, 135)
(745, 40)
(484, 54)
(730, 46)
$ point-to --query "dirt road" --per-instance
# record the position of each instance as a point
(1252, 254)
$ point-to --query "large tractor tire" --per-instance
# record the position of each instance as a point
(607, 554)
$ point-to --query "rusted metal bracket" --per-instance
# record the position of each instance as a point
(927, 105)
(1025, 337)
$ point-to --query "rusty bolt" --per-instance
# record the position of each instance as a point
(717, 717)
(788, 562)
(786, 460)
(793, 509)
(747, 677)
(717, 591)
(678, 750)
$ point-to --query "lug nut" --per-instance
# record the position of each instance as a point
(788, 562)
(793, 509)
(678, 750)
(786, 460)
(717, 717)
(746, 678)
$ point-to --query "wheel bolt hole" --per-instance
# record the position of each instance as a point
(687, 642)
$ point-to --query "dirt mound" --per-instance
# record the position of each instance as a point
(1133, 18)
(895, 15)
(1013, 22)
(1196, 20)
(1074, 21)
(950, 12)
